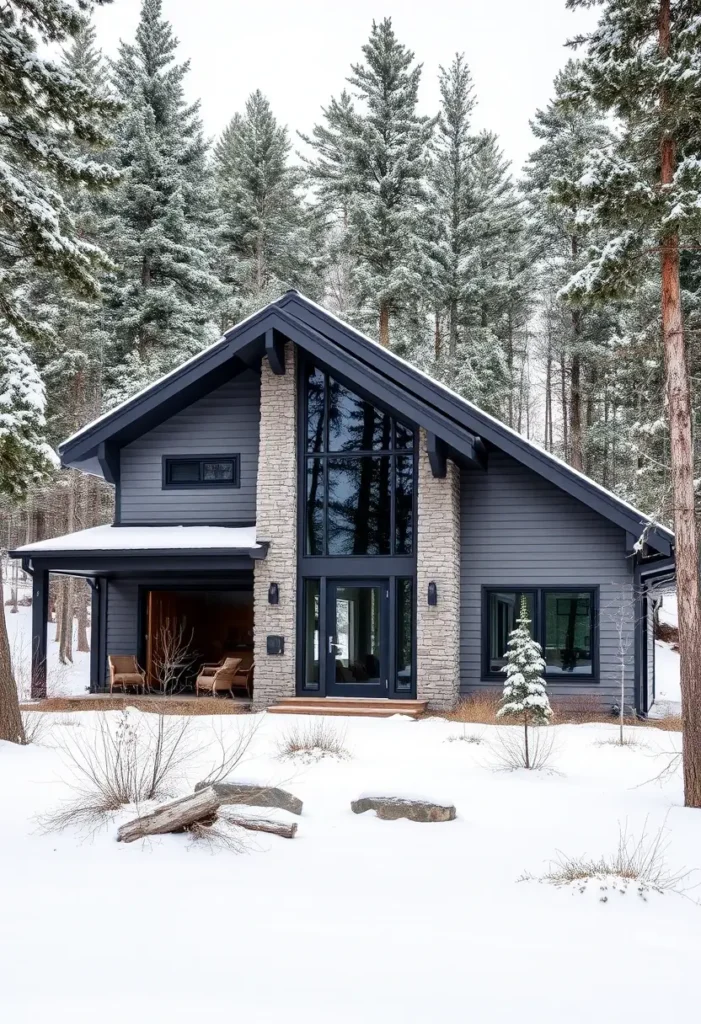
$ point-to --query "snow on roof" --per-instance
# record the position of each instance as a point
(499, 424)
(148, 538)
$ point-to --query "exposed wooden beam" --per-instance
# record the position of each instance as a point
(437, 457)
(275, 351)
(108, 457)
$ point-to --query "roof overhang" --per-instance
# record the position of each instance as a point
(457, 428)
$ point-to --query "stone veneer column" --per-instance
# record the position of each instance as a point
(438, 560)
(276, 523)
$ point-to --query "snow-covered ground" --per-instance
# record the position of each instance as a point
(61, 680)
(356, 919)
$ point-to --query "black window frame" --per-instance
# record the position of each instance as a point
(325, 456)
(539, 592)
(167, 484)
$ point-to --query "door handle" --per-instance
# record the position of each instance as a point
(332, 644)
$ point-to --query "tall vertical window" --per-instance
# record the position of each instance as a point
(311, 639)
(404, 620)
(360, 474)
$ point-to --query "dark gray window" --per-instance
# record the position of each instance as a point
(201, 471)
(312, 636)
(563, 621)
(404, 621)
(360, 474)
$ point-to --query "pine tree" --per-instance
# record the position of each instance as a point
(26, 459)
(524, 690)
(383, 146)
(270, 237)
(160, 301)
(566, 137)
(641, 64)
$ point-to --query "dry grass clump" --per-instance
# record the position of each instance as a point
(155, 705)
(313, 741)
(34, 726)
(636, 862)
(478, 708)
(465, 737)
(120, 763)
(628, 739)
(670, 723)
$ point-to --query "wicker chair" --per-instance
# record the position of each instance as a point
(243, 679)
(125, 673)
(217, 679)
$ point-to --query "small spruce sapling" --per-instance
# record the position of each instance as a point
(524, 691)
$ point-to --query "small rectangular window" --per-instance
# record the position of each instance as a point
(201, 471)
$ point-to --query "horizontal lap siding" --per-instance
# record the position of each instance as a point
(122, 618)
(516, 528)
(225, 422)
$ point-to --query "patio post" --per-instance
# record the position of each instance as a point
(40, 607)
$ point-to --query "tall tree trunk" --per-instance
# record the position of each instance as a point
(549, 401)
(384, 325)
(437, 341)
(576, 459)
(65, 637)
(563, 388)
(82, 591)
(682, 465)
(11, 728)
(453, 328)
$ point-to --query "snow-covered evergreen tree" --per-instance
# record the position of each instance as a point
(583, 333)
(383, 145)
(641, 63)
(270, 237)
(524, 694)
(44, 111)
(161, 302)
(25, 457)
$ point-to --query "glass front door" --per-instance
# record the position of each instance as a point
(357, 640)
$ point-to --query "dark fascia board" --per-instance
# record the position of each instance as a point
(236, 352)
(479, 423)
(96, 563)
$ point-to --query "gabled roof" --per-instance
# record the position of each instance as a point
(379, 374)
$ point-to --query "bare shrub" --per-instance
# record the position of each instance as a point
(510, 752)
(579, 708)
(626, 740)
(172, 656)
(218, 835)
(465, 737)
(312, 741)
(35, 724)
(640, 862)
(126, 763)
(478, 708)
(232, 749)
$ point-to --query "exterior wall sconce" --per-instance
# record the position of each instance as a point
(432, 593)
(273, 594)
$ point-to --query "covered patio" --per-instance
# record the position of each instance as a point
(194, 583)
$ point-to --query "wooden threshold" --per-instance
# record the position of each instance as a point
(353, 707)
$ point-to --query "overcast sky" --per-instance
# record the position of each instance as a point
(299, 53)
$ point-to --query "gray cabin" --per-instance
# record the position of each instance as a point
(302, 495)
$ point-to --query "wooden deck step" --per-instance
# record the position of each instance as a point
(353, 707)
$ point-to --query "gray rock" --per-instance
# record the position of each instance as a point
(389, 808)
(254, 795)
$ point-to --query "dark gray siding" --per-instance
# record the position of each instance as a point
(517, 528)
(122, 618)
(224, 422)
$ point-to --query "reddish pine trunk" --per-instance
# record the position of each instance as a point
(682, 461)
(384, 325)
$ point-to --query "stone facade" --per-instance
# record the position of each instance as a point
(276, 523)
(438, 561)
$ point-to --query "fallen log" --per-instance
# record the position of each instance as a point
(277, 828)
(171, 817)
